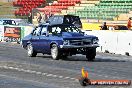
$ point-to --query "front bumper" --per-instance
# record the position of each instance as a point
(80, 46)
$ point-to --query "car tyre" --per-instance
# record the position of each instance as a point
(30, 51)
(55, 53)
(90, 54)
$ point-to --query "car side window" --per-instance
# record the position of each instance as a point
(44, 31)
(50, 20)
(56, 30)
(60, 20)
(37, 31)
(55, 19)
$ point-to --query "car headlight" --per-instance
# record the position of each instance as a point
(66, 42)
(95, 41)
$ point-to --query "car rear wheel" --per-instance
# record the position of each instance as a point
(55, 53)
(90, 54)
(30, 51)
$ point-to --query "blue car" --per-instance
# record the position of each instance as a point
(60, 41)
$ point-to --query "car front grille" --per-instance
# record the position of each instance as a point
(80, 42)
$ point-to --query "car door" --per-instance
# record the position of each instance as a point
(35, 40)
(44, 39)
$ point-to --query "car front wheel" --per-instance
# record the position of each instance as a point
(55, 52)
(90, 54)
(30, 51)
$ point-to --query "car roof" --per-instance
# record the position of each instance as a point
(46, 24)
(65, 15)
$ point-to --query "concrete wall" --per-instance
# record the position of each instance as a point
(118, 42)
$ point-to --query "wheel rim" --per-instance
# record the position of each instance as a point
(54, 52)
(30, 50)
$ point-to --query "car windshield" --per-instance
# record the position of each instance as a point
(64, 28)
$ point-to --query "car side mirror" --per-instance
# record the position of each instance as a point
(48, 21)
(31, 33)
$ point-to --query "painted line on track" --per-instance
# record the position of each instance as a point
(51, 75)
(38, 73)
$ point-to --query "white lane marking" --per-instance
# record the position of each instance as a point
(16, 68)
(44, 74)
(116, 77)
(32, 71)
(106, 76)
(10, 67)
(67, 77)
(60, 76)
(54, 75)
(38, 73)
(73, 78)
(49, 75)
